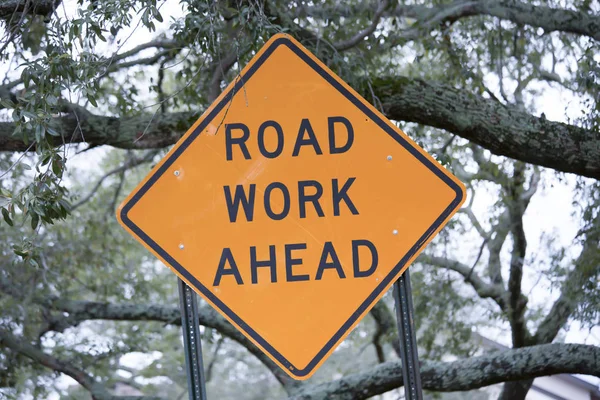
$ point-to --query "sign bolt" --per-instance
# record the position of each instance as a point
(176, 173)
(181, 246)
(395, 232)
(389, 158)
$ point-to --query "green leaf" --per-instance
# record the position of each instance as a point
(35, 219)
(45, 159)
(97, 30)
(92, 100)
(6, 217)
(53, 132)
(28, 114)
(21, 253)
(65, 205)
(52, 100)
(26, 77)
(57, 167)
(39, 132)
(7, 103)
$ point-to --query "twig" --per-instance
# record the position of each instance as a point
(127, 165)
(358, 37)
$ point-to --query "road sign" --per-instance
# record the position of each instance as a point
(291, 206)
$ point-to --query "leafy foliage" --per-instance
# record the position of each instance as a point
(147, 58)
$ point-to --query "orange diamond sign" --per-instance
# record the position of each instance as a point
(291, 206)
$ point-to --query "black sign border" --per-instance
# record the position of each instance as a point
(369, 301)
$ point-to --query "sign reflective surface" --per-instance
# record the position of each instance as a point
(291, 206)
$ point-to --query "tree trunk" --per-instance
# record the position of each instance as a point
(515, 390)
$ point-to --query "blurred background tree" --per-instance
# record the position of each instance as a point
(503, 93)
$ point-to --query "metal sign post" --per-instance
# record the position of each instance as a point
(191, 341)
(411, 373)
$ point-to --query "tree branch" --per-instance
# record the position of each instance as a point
(475, 222)
(517, 301)
(501, 230)
(483, 289)
(47, 360)
(88, 310)
(519, 12)
(224, 65)
(139, 132)
(386, 328)
(159, 43)
(151, 60)
(510, 365)
(586, 267)
(504, 130)
(213, 359)
(359, 36)
(133, 162)
(549, 19)
(96, 389)
(488, 170)
(33, 7)
(467, 374)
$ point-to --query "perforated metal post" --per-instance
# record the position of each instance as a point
(191, 341)
(411, 372)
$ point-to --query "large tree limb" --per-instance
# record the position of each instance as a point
(517, 301)
(519, 12)
(549, 19)
(516, 206)
(467, 374)
(81, 310)
(503, 130)
(510, 365)
(89, 310)
(34, 7)
(148, 131)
